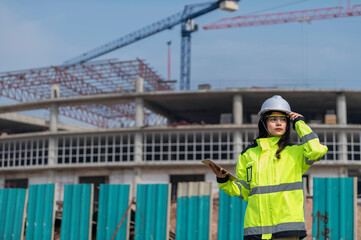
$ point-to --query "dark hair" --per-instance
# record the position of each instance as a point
(263, 133)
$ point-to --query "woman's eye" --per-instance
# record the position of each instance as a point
(275, 119)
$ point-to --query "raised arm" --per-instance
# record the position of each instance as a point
(313, 149)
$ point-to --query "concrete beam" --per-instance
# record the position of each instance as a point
(72, 101)
(40, 122)
(118, 98)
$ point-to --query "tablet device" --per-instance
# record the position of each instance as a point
(208, 162)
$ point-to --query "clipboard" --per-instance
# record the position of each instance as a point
(208, 161)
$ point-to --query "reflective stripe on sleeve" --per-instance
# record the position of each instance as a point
(241, 196)
(309, 137)
(276, 188)
(310, 162)
(292, 226)
(243, 183)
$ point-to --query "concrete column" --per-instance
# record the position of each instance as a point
(2, 182)
(341, 110)
(54, 112)
(138, 137)
(137, 179)
(237, 120)
(53, 127)
(138, 144)
(237, 109)
(139, 109)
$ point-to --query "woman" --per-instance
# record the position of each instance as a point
(270, 174)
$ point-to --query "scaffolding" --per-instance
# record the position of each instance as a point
(94, 78)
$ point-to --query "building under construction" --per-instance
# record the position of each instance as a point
(143, 131)
(148, 133)
(119, 122)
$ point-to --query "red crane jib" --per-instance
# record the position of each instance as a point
(285, 17)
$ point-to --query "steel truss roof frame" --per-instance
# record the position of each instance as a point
(94, 78)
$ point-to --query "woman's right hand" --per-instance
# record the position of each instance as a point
(220, 173)
(294, 115)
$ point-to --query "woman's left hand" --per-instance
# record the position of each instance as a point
(220, 173)
(294, 115)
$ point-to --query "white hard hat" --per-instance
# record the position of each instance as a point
(275, 103)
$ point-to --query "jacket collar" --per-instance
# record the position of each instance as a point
(266, 143)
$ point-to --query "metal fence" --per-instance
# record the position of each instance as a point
(158, 145)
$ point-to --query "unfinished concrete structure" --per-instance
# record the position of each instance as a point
(214, 124)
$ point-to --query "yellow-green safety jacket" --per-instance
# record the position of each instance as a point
(273, 187)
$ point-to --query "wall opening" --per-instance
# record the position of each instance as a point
(16, 183)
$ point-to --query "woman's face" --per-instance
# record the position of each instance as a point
(277, 124)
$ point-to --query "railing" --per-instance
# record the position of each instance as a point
(159, 145)
(95, 148)
(24, 152)
(188, 145)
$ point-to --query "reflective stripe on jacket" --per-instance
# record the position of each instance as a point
(273, 187)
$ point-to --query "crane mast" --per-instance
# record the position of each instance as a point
(185, 18)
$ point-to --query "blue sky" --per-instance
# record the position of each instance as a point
(322, 54)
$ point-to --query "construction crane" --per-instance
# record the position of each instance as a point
(185, 18)
(286, 17)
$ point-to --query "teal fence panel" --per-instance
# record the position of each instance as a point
(152, 212)
(77, 212)
(41, 212)
(230, 217)
(113, 203)
(334, 208)
(12, 206)
(194, 201)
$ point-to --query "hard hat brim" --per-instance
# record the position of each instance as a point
(272, 109)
